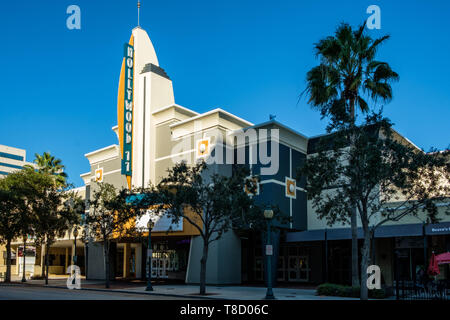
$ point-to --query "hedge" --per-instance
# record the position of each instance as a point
(337, 290)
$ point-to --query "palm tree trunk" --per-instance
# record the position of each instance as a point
(353, 219)
(364, 294)
(203, 268)
(24, 259)
(355, 267)
(8, 261)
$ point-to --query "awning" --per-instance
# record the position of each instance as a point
(303, 236)
(391, 231)
(342, 234)
(438, 228)
(401, 230)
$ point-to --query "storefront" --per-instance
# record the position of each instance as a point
(400, 251)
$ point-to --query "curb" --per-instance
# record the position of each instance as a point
(116, 290)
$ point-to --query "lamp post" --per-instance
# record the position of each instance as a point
(268, 214)
(149, 256)
(75, 235)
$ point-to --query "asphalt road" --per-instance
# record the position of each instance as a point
(42, 293)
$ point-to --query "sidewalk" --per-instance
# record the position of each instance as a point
(190, 291)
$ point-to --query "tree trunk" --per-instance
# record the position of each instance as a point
(203, 268)
(8, 261)
(24, 259)
(106, 258)
(47, 249)
(364, 295)
(354, 219)
(355, 271)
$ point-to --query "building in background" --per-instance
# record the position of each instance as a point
(11, 159)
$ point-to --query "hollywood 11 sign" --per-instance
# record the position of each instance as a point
(128, 110)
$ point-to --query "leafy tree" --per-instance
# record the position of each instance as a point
(9, 226)
(110, 216)
(212, 204)
(347, 76)
(24, 185)
(55, 213)
(384, 177)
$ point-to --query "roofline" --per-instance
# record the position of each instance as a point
(85, 174)
(412, 143)
(406, 139)
(217, 110)
(176, 106)
(99, 150)
(280, 125)
(77, 188)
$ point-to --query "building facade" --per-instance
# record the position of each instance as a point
(153, 133)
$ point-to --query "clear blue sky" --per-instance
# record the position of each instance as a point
(59, 87)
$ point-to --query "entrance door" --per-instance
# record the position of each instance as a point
(298, 268)
(160, 265)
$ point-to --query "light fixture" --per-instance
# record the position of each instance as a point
(268, 213)
(291, 188)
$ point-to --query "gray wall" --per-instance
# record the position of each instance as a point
(95, 262)
(224, 260)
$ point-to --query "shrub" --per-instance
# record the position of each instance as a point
(337, 290)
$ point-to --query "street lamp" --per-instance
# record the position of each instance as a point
(75, 235)
(268, 214)
(149, 256)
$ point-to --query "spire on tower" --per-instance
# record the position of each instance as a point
(139, 7)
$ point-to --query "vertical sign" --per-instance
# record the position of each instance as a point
(128, 110)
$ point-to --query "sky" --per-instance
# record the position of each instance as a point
(59, 86)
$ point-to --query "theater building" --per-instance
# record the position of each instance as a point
(153, 133)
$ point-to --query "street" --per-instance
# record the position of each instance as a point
(41, 293)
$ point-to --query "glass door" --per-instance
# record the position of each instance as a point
(298, 268)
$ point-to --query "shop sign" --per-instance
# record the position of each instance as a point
(439, 228)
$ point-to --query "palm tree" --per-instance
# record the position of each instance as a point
(46, 163)
(346, 78)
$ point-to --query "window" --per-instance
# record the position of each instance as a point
(11, 156)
